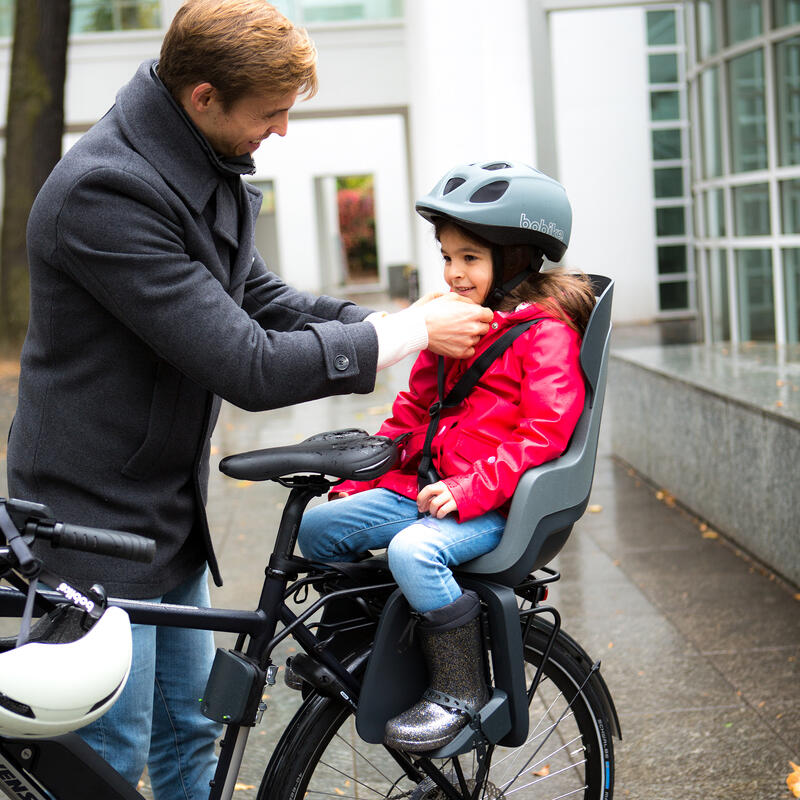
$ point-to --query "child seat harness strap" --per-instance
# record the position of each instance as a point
(426, 472)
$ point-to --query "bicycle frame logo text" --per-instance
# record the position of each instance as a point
(15, 785)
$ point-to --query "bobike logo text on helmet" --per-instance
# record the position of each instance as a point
(540, 225)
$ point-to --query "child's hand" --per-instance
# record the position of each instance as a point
(337, 495)
(437, 500)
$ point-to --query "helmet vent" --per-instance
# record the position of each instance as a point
(497, 165)
(453, 183)
(489, 193)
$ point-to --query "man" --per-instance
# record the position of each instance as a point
(149, 303)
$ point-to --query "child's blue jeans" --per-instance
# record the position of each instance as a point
(421, 550)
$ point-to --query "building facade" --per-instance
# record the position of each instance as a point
(674, 127)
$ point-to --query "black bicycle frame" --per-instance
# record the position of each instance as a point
(23, 763)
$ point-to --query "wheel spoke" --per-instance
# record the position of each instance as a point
(563, 755)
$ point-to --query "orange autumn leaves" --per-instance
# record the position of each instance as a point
(793, 781)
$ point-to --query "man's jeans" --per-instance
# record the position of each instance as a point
(420, 550)
(157, 718)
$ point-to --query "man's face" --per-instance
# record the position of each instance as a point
(241, 128)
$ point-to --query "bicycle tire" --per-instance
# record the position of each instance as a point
(321, 756)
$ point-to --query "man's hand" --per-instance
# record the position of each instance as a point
(455, 325)
(437, 500)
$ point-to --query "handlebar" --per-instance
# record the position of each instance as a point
(94, 540)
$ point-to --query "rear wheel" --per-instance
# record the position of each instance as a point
(568, 751)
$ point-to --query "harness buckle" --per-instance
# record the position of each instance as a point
(435, 408)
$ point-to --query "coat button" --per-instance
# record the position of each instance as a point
(494, 325)
(341, 363)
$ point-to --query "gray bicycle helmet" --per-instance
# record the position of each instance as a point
(504, 202)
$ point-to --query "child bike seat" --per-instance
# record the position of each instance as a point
(551, 497)
(350, 453)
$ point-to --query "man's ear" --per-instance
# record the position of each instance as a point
(202, 96)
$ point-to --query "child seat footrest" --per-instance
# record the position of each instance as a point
(495, 723)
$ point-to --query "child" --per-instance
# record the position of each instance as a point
(493, 223)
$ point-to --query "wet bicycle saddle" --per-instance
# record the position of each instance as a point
(350, 453)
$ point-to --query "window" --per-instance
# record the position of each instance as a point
(748, 115)
(310, 12)
(661, 27)
(666, 144)
(670, 221)
(751, 210)
(743, 19)
(785, 12)
(673, 296)
(787, 79)
(669, 126)
(715, 213)
(754, 293)
(665, 105)
(718, 295)
(709, 123)
(790, 206)
(663, 68)
(668, 182)
(671, 259)
(92, 16)
(706, 29)
(791, 293)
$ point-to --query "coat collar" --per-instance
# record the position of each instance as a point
(165, 136)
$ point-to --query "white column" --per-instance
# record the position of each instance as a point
(471, 95)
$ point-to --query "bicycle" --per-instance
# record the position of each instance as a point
(545, 733)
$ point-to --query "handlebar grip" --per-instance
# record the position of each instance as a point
(96, 540)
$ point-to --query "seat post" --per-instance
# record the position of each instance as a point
(304, 489)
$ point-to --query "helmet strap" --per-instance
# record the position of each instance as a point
(500, 292)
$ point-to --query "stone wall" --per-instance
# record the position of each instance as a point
(721, 432)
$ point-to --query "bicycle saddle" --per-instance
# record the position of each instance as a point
(349, 453)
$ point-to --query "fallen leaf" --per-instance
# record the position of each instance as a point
(244, 484)
(214, 449)
(381, 411)
(703, 527)
(779, 404)
(793, 780)
(797, 596)
(610, 645)
(240, 787)
(595, 509)
(780, 383)
(543, 772)
(710, 535)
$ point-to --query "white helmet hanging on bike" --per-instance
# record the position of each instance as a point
(64, 677)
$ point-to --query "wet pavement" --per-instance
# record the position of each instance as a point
(700, 646)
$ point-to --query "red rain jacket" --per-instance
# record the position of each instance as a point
(521, 413)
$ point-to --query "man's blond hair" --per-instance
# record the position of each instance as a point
(240, 47)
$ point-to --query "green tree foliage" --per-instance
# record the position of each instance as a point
(34, 128)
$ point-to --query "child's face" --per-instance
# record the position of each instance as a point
(467, 265)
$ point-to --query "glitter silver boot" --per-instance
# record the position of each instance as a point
(451, 642)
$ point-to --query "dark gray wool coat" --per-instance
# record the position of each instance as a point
(149, 302)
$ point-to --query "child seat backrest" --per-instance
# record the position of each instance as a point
(551, 497)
